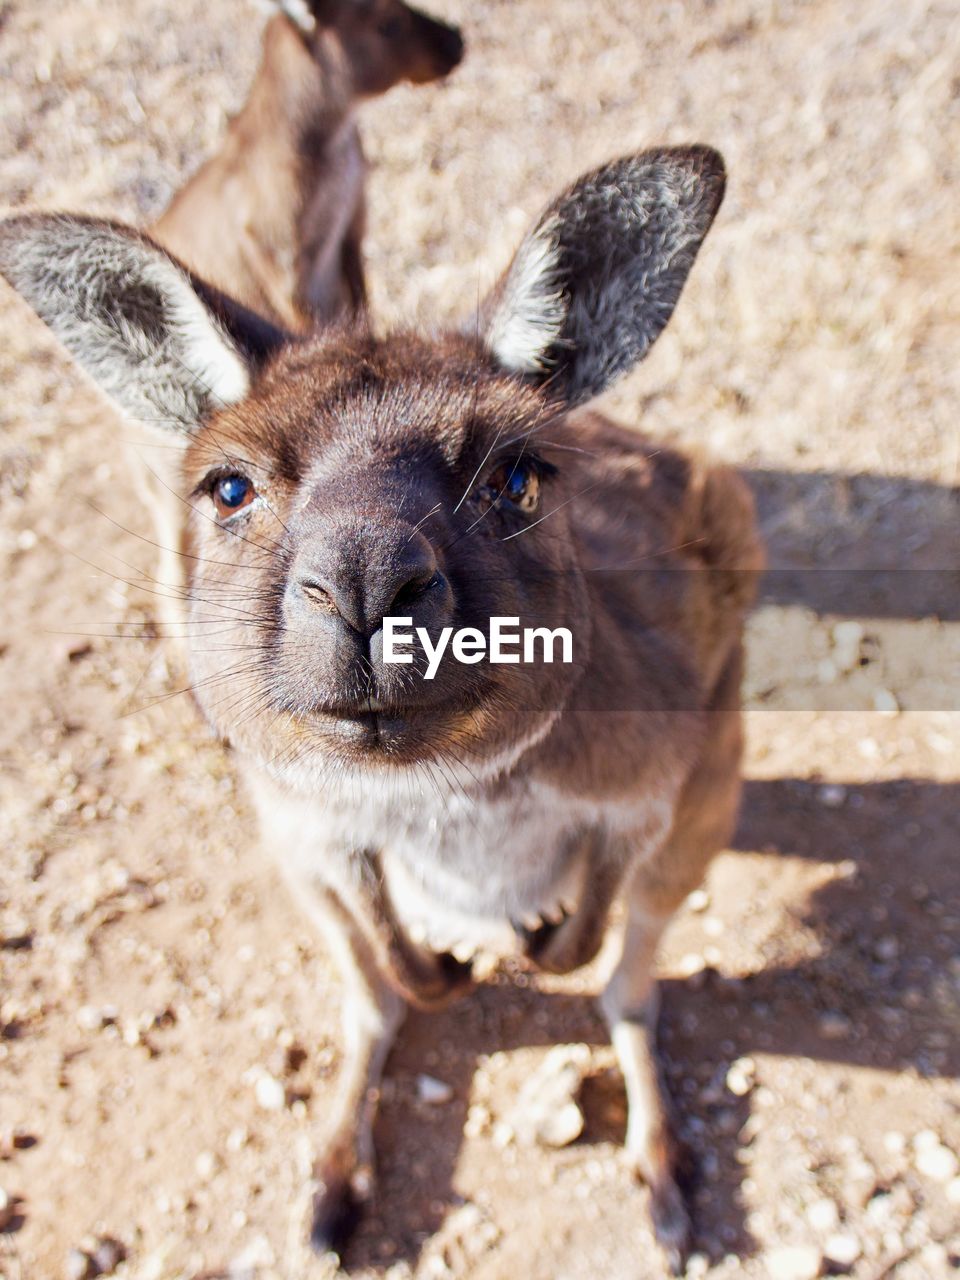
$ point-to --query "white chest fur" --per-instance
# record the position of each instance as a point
(460, 862)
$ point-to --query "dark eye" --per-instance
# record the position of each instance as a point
(231, 494)
(517, 482)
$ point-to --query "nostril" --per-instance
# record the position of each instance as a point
(412, 591)
(318, 595)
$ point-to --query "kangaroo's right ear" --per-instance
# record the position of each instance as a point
(595, 282)
(169, 349)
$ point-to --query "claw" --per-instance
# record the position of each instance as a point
(671, 1224)
(335, 1211)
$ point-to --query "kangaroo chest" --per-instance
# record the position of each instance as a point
(461, 867)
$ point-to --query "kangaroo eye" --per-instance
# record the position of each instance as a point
(231, 494)
(517, 482)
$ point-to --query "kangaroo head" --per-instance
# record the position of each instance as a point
(333, 482)
(385, 41)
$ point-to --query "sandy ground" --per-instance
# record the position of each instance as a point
(153, 970)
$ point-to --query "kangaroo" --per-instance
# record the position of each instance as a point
(335, 481)
(277, 215)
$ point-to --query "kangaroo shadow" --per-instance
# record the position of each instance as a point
(859, 545)
(888, 930)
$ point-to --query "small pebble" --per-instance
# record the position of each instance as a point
(834, 1026)
(925, 1140)
(884, 700)
(887, 948)
(953, 1191)
(832, 795)
(562, 1127)
(823, 1215)
(937, 1163)
(80, 1265)
(270, 1093)
(237, 1139)
(741, 1076)
(880, 1207)
(699, 900)
(794, 1262)
(894, 1142)
(432, 1091)
(842, 1249)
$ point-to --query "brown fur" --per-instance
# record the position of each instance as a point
(501, 805)
(277, 215)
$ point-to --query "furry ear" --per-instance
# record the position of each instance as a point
(594, 283)
(169, 349)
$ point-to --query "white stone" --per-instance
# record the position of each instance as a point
(842, 1248)
(561, 1127)
(925, 1139)
(832, 795)
(270, 1093)
(938, 1163)
(546, 1110)
(741, 1076)
(823, 1215)
(794, 1262)
(432, 1091)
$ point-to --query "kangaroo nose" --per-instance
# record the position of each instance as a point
(450, 46)
(366, 583)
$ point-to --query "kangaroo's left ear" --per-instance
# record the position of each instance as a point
(594, 283)
(168, 348)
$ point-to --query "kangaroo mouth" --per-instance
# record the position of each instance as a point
(374, 729)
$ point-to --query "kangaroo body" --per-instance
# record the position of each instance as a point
(276, 217)
(334, 481)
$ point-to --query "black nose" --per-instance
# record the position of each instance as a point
(366, 576)
(445, 42)
(450, 48)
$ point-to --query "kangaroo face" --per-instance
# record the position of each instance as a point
(387, 42)
(398, 480)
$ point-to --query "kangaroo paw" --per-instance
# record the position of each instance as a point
(671, 1223)
(336, 1207)
(434, 980)
(560, 946)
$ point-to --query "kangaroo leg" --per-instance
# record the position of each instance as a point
(383, 971)
(630, 1005)
(371, 1015)
(564, 945)
(704, 820)
(426, 979)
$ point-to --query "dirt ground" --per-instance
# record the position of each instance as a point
(158, 986)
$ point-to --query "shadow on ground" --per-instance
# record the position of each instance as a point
(902, 837)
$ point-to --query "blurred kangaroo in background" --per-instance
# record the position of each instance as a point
(330, 482)
(276, 217)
